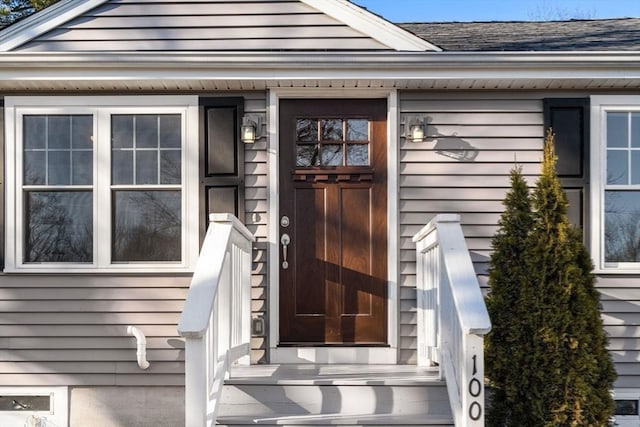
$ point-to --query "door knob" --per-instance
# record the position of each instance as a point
(285, 240)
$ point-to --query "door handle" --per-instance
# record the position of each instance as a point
(285, 240)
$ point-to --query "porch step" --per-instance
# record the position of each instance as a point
(334, 395)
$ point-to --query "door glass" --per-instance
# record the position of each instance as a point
(332, 142)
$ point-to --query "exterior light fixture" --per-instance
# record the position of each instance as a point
(415, 128)
(417, 132)
(249, 130)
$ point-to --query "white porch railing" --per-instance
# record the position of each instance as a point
(452, 316)
(216, 317)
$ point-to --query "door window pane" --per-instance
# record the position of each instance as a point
(357, 130)
(332, 130)
(357, 155)
(307, 156)
(307, 130)
(146, 226)
(59, 226)
(332, 155)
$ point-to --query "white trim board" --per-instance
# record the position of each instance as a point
(382, 355)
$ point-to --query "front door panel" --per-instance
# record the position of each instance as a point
(333, 192)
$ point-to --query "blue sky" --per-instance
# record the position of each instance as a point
(499, 10)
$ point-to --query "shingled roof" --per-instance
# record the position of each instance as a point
(576, 35)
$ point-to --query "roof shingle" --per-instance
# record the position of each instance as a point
(574, 35)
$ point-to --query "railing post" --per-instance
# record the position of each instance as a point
(472, 384)
(195, 382)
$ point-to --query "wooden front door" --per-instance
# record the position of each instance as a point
(333, 224)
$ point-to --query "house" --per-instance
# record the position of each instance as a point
(333, 137)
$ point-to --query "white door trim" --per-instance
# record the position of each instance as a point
(329, 354)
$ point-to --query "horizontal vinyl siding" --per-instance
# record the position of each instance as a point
(499, 129)
(158, 25)
(620, 296)
(473, 143)
(72, 330)
(256, 218)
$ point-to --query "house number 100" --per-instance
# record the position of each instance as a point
(475, 389)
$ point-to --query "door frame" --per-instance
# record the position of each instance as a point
(369, 355)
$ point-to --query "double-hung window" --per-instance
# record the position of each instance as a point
(101, 183)
(616, 182)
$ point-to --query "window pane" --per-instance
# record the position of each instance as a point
(332, 130)
(121, 131)
(121, 167)
(635, 130)
(82, 131)
(146, 131)
(617, 130)
(146, 167)
(82, 168)
(59, 131)
(622, 226)
(307, 156)
(170, 167)
(59, 226)
(617, 167)
(59, 168)
(307, 130)
(357, 130)
(635, 167)
(34, 167)
(358, 155)
(146, 226)
(332, 155)
(34, 132)
(170, 131)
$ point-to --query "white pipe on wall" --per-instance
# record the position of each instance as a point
(141, 340)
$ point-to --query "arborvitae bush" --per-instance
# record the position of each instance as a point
(547, 361)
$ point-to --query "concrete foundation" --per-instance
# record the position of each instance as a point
(126, 406)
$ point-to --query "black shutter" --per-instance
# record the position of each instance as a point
(221, 158)
(569, 119)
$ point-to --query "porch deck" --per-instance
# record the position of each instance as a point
(349, 395)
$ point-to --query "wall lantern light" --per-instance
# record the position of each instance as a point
(249, 129)
(417, 132)
(415, 128)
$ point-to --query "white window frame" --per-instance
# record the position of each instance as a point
(102, 107)
(600, 106)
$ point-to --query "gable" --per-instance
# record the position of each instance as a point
(216, 25)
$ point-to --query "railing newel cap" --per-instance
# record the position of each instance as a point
(433, 224)
(235, 223)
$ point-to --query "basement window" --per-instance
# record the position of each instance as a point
(34, 406)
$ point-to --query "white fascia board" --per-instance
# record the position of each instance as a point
(372, 25)
(45, 20)
(300, 66)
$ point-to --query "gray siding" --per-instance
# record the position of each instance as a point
(164, 25)
(71, 329)
(478, 138)
(474, 141)
(256, 218)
